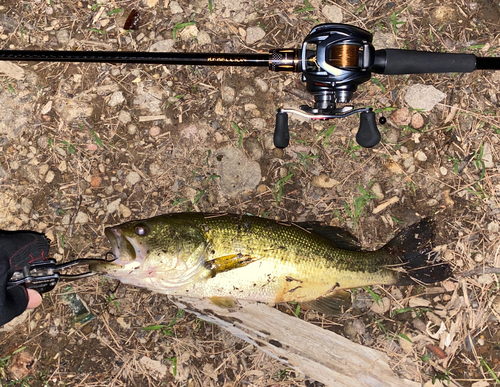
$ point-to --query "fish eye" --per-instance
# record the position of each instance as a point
(141, 230)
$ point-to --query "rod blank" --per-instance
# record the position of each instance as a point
(168, 58)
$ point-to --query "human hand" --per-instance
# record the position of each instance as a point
(18, 249)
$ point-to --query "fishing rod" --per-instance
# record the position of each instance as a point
(334, 59)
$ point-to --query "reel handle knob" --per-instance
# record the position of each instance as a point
(281, 133)
(368, 134)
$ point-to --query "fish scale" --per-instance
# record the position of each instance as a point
(290, 242)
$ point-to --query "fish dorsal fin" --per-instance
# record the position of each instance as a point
(342, 238)
(332, 305)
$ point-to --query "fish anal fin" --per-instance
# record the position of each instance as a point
(228, 262)
(223, 302)
(332, 305)
(340, 237)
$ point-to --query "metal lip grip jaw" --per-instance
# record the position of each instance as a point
(332, 72)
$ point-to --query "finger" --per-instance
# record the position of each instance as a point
(34, 299)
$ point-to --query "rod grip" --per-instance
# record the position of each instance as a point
(395, 62)
(281, 133)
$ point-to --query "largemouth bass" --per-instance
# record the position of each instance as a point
(245, 257)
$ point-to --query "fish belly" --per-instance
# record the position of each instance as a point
(267, 282)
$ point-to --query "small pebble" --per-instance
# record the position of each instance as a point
(408, 162)
(43, 142)
(448, 201)
(324, 181)
(95, 181)
(248, 91)
(46, 108)
(397, 293)
(443, 171)
(485, 279)
(50, 176)
(432, 202)
(421, 156)
(132, 129)
(43, 169)
(261, 189)
(401, 116)
(154, 131)
(383, 305)
(175, 7)
(377, 191)
(124, 117)
(116, 99)
(81, 218)
(261, 85)
(254, 34)
(333, 13)
(133, 177)
(189, 32)
(493, 226)
(26, 205)
(154, 169)
(278, 153)
(113, 206)
(360, 326)
(417, 121)
(125, 211)
(228, 94)
(63, 167)
(350, 330)
(449, 286)
(203, 38)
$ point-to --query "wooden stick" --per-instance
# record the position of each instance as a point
(320, 354)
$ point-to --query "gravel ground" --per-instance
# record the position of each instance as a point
(85, 146)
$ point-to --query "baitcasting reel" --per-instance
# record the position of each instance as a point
(334, 60)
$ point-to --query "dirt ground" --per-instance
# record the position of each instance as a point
(85, 146)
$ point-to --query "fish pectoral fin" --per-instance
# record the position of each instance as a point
(228, 262)
(223, 302)
(331, 305)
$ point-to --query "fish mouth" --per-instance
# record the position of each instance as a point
(125, 249)
(121, 248)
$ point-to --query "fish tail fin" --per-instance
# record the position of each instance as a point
(417, 261)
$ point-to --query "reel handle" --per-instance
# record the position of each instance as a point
(281, 133)
(368, 134)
